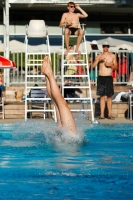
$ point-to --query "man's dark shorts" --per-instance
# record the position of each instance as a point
(73, 30)
(105, 86)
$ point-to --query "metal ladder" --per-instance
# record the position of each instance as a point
(36, 29)
(85, 101)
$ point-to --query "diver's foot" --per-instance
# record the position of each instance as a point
(46, 66)
(77, 51)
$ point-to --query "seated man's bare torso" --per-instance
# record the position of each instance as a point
(72, 19)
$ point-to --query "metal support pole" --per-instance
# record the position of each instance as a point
(4, 30)
(4, 35)
(6, 39)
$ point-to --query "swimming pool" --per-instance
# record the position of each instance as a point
(36, 163)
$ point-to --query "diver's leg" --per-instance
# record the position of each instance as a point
(65, 113)
(56, 108)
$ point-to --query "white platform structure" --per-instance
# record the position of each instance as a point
(37, 93)
(73, 79)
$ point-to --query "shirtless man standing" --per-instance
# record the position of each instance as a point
(107, 62)
(64, 115)
(71, 20)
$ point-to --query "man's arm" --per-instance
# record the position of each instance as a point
(95, 63)
(84, 14)
(115, 64)
(63, 20)
(112, 65)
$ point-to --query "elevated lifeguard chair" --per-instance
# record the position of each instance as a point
(79, 81)
(34, 57)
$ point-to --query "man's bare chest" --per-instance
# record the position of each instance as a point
(72, 17)
(107, 58)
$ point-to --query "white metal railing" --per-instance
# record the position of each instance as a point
(17, 76)
(120, 76)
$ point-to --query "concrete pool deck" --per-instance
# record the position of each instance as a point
(50, 120)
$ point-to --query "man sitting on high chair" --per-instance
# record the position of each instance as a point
(71, 20)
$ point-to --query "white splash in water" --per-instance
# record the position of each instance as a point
(34, 133)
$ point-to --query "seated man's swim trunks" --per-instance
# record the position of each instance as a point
(105, 86)
(73, 30)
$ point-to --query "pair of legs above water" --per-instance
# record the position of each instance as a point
(64, 115)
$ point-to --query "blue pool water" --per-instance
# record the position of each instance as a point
(37, 162)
